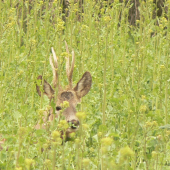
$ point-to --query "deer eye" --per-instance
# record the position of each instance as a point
(58, 108)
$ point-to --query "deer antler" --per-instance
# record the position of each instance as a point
(69, 70)
(54, 67)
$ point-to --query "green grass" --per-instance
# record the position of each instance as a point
(127, 108)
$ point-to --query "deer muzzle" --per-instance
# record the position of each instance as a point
(74, 123)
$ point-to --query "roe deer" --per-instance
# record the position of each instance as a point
(71, 95)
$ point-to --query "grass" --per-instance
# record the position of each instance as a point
(127, 108)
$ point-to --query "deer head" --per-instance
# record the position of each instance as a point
(72, 95)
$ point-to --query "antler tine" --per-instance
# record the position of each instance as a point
(54, 67)
(68, 70)
(72, 67)
(67, 61)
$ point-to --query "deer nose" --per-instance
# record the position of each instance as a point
(74, 123)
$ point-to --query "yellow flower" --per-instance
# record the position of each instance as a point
(142, 47)
(116, 1)
(77, 140)
(104, 149)
(154, 154)
(102, 10)
(150, 31)
(148, 124)
(155, 123)
(161, 26)
(121, 61)
(133, 55)
(42, 61)
(47, 162)
(85, 126)
(66, 126)
(19, 168)
(60, 24)
(143, 97)
(84, 28)
(41, 2)
(29, 162)
(168, 1)
(91, 149)
(107, 19)
(65, 104)
(106, 141)
(58, 141)
(159, 137)
(162, 67)
(72, 135)
(143, 108)
(55, 135)
(168, 132)
(65, 54)
(41, 112)
(49, 108)
(126, 153)
(86, 161)
(63, 124)
(33, 41)
(99, 134)
(81, 115)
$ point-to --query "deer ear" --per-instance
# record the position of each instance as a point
(84, 85)
(46, 89)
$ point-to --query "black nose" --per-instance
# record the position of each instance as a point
(74, 123)
(58, 108)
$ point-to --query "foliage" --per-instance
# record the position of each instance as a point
(125, 114)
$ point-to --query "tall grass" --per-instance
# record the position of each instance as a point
(127, 108)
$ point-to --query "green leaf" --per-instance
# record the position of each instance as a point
(95, 137)
(165, 127)
(17, 115)
(102, 128)
(40, 132)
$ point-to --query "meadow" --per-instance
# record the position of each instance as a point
(125, 116)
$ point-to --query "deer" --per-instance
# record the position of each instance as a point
(71, 94)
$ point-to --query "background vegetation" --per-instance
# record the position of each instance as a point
(127, 108)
